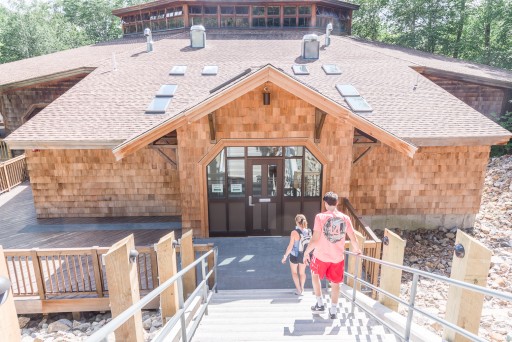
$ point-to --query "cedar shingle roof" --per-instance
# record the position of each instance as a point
(108, 106)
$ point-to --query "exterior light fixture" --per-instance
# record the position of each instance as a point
(266, 96)
(459, 251)
(5, 287)
(133, 256)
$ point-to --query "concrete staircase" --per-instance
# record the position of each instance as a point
(276, 315)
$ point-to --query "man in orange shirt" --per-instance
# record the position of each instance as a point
(328, 246)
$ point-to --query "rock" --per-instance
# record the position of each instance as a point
(450, 236)
(413, 259)
(147, 324)
(58, 326)
(494, 336)
(23, 321)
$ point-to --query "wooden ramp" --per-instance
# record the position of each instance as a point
(278, 315)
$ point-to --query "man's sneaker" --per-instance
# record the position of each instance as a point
(318, 308)
(333, 315)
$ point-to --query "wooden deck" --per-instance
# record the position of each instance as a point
(19, 227)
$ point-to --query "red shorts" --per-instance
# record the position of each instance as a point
(333, 272)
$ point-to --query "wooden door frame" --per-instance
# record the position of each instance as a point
(221, 144)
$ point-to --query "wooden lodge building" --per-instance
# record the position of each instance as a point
(237, 115)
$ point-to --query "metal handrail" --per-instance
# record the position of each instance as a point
(102, 334)
(411, 308)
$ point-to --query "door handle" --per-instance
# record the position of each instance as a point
(250, 202)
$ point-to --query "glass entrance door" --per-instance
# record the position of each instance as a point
(264, 196)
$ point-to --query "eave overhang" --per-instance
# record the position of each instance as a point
(47, 78)
(233, 91)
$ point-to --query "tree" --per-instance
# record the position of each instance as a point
(368, 21)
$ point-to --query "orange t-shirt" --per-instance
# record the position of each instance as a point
(333, 226)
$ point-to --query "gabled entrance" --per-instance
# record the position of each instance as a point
(258, 190)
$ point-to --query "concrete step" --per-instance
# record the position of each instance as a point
(275, 315)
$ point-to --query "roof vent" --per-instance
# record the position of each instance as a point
(149, 39)
(310, 46)
(197, 36)
(328, 30)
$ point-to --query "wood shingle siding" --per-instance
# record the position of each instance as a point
(90, 183)
(438, 181)
(488, 100)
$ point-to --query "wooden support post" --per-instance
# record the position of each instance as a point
(211, 264)
(166, 258)
(7, 178)
(9, 326)
(187, 257)
(96, 266)
(36, 264)
(319, 123)
(391, 278)
(123, 288)
(464, 307)
(212, 125)
(352, 260)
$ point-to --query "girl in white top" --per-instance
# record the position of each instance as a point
(297, 266)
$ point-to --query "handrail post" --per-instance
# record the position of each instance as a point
(167, 268)
(216, 253)
(181, 303)
(414, 287)
(123, 288)
(391, 278)
(471, 263)
(204, 266)
(356, 272)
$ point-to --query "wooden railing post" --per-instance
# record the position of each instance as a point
(211, 263)
(167, 268)
(7, 178)
(391, 278)
(36, 264)
(187, 255)
(123, 286)
(464, 307)
(352, 261)
(97, 268)
(9, 326)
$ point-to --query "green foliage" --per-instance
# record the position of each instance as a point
(31, 28)
(475, 30)
(506, 121)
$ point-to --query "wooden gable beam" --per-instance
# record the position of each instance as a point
(170, 156)
(319, 123)
(211, 123)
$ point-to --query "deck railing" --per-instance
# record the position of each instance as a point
(53, 279)
(12, 173)
(372, 246)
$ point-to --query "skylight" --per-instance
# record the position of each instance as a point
(347, 90)
(210, 70)
(158, 105)
(178, 70)
(331, 69)
(300, 69)
(358, 104)
(167, 90)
